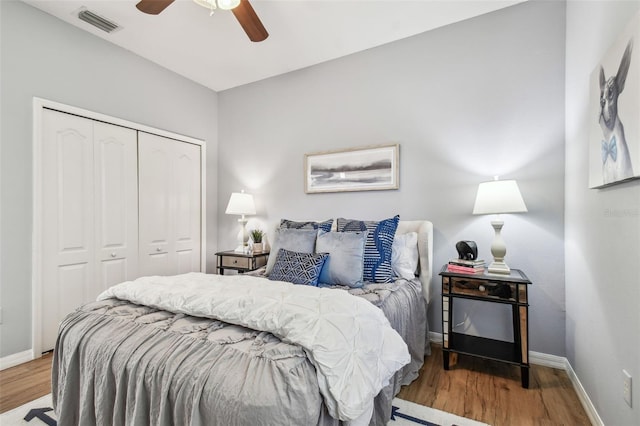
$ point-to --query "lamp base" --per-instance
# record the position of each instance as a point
(499, 268)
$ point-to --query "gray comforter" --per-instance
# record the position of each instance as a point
(119, 363)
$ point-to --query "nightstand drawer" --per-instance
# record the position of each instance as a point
(485, 289)
(236, 262)
(240, 262)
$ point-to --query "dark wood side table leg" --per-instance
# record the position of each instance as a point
(524, 376)
(517, 336)
(445, 359)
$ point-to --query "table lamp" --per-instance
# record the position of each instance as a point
(242, 204)
(496, 197)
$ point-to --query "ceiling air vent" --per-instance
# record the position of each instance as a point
(97, 21)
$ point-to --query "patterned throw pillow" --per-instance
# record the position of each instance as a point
(298, 268)
(377, 249)
(292, 224)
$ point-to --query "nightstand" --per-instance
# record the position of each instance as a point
(240, 262)
(506, 289)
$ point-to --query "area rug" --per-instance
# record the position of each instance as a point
(404, 413)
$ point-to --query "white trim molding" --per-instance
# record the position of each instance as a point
(15, 359)
(557, 362)
(582, 396)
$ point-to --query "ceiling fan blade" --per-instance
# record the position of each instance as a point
(153, 7)
(249, 21)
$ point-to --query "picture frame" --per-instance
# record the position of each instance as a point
(370, 168)
(614, 111)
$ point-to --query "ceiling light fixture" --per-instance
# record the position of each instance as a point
(212, 5)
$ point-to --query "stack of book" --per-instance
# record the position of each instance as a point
(463, 266)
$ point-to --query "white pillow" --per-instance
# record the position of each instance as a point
(404, 255)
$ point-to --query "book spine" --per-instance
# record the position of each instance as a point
(464, 269)
(464, 265)
(464, 262)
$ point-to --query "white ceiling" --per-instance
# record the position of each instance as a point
(215, 52)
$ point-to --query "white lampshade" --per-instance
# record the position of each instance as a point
(499, 196)
(228, 4)
(495, 197)
(241, 203)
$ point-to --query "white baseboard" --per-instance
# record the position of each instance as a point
(560, 363)
(582, 396)
(15, 359)
(547, 360)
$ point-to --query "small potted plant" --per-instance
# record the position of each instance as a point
(256, 237)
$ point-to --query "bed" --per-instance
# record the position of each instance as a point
(200, 349)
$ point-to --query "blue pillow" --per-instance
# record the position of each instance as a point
(345, 263)
(377, 248)
(298, 268)
(300, 240)
(291, 224)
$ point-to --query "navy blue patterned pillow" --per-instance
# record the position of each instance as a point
(298, 268)
(292, 224)
(377, 248)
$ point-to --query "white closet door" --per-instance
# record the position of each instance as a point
(188, 208)
(170, 205)
(68, 237)
(116, 204)
(90, 217)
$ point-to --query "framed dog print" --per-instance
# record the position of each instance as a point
(614, 112)
(360, 169)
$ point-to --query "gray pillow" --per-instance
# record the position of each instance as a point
(298, 240)
(345, 263)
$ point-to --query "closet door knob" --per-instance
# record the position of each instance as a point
(158, 249)
(113, 255)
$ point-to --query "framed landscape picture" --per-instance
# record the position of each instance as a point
(614, 111)
(371, 168)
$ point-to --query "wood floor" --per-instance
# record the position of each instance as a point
(483, 390)
(490, 392)
(25, 382)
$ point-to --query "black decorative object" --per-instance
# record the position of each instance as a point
(467, 250)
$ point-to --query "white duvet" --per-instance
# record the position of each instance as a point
(349, 341)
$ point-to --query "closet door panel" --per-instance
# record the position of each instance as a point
(170, 203)
(156, 204)
(188, 198)
(67, 218)
(73, 290)
(116, 204)
(112, 272)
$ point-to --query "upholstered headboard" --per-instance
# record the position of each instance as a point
(424, 229)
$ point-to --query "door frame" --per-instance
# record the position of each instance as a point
(39, 105)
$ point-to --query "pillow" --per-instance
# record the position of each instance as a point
(404, 255)
(298, 268)
(292, 224)
(300, 240)
(345, 263)
(377, 248)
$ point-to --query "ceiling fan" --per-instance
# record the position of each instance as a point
(242, 10)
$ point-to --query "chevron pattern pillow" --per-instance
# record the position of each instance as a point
(377, 248)
(298, 268)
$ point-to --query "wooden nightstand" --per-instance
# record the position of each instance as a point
(508, 289)
(240, 262)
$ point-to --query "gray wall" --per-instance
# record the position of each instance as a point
(45, 57)
(602, 229)
(475, 99)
